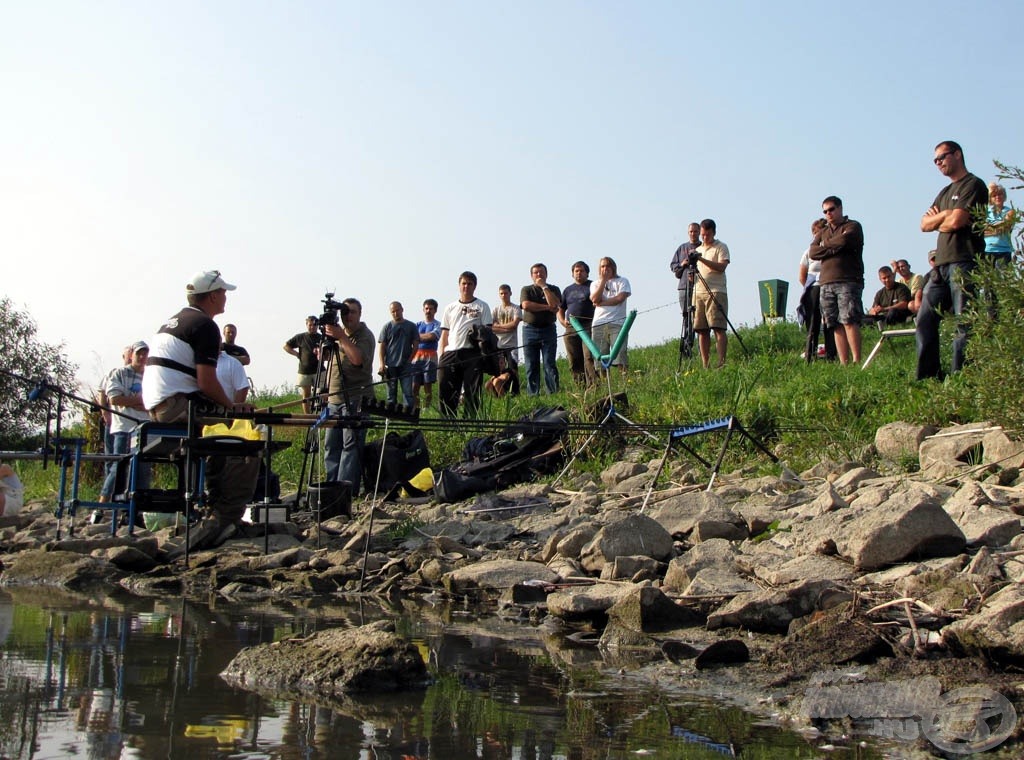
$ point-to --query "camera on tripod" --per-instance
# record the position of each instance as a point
(691, 259)
(334, 311)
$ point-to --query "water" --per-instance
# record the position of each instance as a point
(138, 678)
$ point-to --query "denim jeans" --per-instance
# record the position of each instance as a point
(343, 449)
(948, 289)
(540, 344)
(400, 376)
(120, 443)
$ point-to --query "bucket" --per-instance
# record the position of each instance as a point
(331, 497)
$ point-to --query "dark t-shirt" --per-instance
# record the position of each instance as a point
(576, 302)
(306, 344)
(535, 294)
(964, 244)
(233, 349)
(886, 298)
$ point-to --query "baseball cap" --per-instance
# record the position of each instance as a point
(139, 345)
(207, 282)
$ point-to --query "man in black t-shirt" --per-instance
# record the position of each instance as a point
(231, 348)
(182, 366)
(892, 301)
(948, 286)
(305, 347)
(540, 302)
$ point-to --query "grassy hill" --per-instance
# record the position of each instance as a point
(803, 412)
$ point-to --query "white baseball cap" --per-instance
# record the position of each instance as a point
(207, 282)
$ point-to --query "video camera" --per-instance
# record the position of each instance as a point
(691, 259)
(334, 311)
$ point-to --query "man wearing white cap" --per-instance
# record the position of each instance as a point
(182, 365)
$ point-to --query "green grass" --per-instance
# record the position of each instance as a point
(804, 412)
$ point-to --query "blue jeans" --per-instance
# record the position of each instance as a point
(948, 289)
(540, 343)
(400, 376)
(120, 443)
(343, 449)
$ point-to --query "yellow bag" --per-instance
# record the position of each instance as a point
(238, 429)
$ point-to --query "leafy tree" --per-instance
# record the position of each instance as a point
(23, 354)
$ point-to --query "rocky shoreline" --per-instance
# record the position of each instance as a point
(790, 581)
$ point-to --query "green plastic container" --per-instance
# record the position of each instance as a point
(773, 298)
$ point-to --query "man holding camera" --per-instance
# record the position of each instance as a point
(349, 382)
(680, 266)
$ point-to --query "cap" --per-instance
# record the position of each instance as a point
(139, 345)
(207, 282)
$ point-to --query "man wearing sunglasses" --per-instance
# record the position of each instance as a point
(948, 286)
(839, 246)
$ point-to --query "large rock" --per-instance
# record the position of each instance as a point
(807, 566)
(585, 602)
(999, 449)
(633, 535)
(901, 440)
(770, 611)
(491, 577)
(331, 663)
(646, 609)
(848, 483)
(69, 570)
(717, 553)
(620, 471)
(982, 524)
(676, 514)
(718, 581)
(996, 632)
(953, 450)
(718, 522)
(911, 524)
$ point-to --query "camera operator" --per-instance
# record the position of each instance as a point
(681, 268)
(709, 294)
(349, 382)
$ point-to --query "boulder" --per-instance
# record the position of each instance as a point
(632, 568)
(69, 570)
(718, 522)
(807, 566)
(490, 577)
(619, 471)
(827, 500)
(851, 480)
(910, 524)
(676, 514)
(585, 602)
(718, 581)
(331, 663)
(572, 544)
(996, 631)
(633, 535)
(901, 440)
(953, 450)
(714, 553)
(981, 523)
(770, 611)
(127, 558)
(646, 609)
(999, 449)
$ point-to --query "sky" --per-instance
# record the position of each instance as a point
(376, 150)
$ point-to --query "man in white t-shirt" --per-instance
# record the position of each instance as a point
(460, 368)
(232, 378)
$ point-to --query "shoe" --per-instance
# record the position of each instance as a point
(96, 517)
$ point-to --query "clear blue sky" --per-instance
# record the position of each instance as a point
(378, 149)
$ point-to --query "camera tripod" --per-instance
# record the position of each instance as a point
(687, 336)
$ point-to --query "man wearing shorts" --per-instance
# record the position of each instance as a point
(424, 361)
(304, 346)
(839, 246)
(710, 301)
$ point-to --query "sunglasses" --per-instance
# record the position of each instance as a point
(943, 156)
(828, 210)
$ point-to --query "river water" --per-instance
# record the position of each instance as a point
(139, 678)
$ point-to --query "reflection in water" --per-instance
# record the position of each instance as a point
(134, 678)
